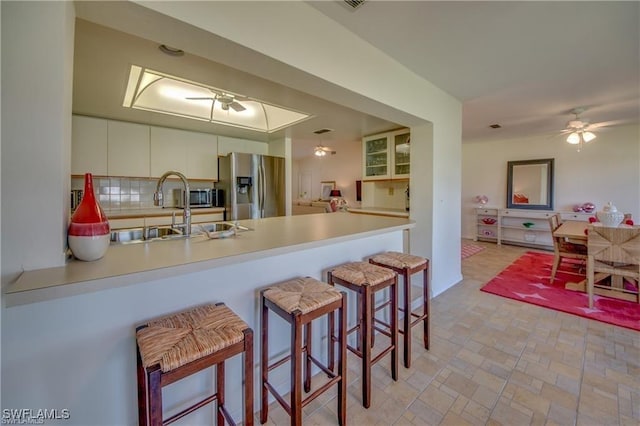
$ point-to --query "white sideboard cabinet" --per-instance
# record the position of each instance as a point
(518, 226)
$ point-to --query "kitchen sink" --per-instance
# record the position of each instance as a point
(141, 235)
(217, 229)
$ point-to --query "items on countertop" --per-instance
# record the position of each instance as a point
(89, 233)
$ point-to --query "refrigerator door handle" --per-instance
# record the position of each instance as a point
(261, 186)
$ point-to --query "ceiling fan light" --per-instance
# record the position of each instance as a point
(319, 152)
(588, 136)
(574, 138)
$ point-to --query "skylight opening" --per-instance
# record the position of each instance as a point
(165, 94)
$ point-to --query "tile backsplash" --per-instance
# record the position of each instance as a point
(122, 193)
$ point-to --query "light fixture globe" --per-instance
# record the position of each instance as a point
(588, 136)
(574, 138)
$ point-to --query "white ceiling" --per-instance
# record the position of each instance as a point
(523, 65)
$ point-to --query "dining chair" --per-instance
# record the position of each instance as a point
(615, 253)
(562, 248)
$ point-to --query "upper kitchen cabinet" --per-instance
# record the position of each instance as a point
(191, 153)
(400, 154)
(128, 152)
(202, 156)
(88, 146)
(227, 145)
(375, 162)
(386, 156)
(167, 151)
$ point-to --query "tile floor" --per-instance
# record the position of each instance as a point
(494, 361)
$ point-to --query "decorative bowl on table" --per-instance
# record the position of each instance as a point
(609, 216)
(528, 224)
(488, 221)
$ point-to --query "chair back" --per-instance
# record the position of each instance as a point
(614, 247)
(555, 221)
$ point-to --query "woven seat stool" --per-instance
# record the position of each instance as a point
(406, 265)
(366, 280)
(300, 301)
(176, 346)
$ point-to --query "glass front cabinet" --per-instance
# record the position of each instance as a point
(386, 156)
(400, 154)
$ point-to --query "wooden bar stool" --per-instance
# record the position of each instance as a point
(299, 302)
(176, 346)
(406, 265)
(366, 279)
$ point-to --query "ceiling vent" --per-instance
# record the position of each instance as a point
(321, 131)
(354, 4)
(495, 126)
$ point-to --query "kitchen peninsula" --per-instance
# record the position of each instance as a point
(70, 343)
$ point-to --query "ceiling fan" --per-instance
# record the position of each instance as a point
(579, 130)
(321, 151)
(226, 100)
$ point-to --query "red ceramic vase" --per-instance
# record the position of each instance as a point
(89, 234)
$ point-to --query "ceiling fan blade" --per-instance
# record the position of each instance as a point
(209, 98)
(237, 106)
(596, 126)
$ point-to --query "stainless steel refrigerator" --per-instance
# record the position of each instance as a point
(254, 185)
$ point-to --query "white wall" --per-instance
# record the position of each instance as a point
(36, 133)
(434, 116)
(345, 167)
(388, 194)
(606, 169)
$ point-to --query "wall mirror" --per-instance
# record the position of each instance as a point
(530, 184)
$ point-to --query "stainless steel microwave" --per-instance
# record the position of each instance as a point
(198, 198)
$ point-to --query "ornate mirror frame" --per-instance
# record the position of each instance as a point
(530, 184)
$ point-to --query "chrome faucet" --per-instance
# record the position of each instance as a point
(186, 213)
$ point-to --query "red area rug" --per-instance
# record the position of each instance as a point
(527, 280)
(470, 250)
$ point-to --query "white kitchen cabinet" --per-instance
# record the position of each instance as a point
(375, 157)
(400, 156)
(202, 156)
(88, 145)
(191, 153)
(167, 151)
(162, 220)
(207, 217)
(386, 156)
(137, 222)
(128, 149)
(227, 145)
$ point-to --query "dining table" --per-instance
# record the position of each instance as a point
(575, 232)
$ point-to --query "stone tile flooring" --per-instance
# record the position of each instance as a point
(495, 361)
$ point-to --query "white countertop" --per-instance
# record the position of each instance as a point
(156, 211)
(380, 211)
(134, 263)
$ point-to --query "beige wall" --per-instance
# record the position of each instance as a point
(607, 169)
(344, 167)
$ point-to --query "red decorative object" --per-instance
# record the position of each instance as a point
(489, 220)
(89, 233)
(629, 222)
(592, 219)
